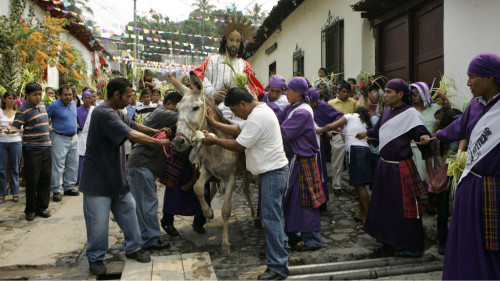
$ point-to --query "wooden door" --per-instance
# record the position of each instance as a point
(394, 48)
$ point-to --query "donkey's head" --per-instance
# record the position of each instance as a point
(191, 112)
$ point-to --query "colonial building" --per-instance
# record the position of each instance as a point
(416, 40)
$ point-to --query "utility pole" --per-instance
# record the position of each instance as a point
(135, 30)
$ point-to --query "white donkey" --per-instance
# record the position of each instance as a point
(210, 161)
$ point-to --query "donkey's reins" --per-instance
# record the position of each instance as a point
(161, 136)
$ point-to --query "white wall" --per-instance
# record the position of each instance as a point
(470, 28)
(4, 8)
(303, 27)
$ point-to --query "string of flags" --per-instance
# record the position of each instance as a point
(165, 68)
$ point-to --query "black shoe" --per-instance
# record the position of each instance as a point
(270, 275)
(305, 248)
(262, 255)
(170, 229)
(43, 214)
(30, 216)
(97, 267)
(57, 197)
(158, 246)
(139, 256)
(199, 229)
(337, 192)
(71, 192)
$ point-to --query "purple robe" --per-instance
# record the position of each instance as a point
(466, 257)
(81, 117)
(325, 114)
(385, 220)
(299, 138)
(184, 203)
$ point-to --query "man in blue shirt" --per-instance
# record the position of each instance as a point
(62, 114)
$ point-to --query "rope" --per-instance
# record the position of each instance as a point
(161, 136)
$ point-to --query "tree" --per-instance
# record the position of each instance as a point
(256, 14)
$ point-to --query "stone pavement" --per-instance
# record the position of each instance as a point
(54, 248)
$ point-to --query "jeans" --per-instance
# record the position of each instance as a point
(143, 188)
(37, 167)
(96, 212)
(337, 161)
(272, 185)
(64, 157)
(13, 150)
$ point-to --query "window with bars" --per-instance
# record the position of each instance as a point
(332, 45)
(298, 62)
(272, 69)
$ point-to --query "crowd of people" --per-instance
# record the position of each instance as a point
(394, 141)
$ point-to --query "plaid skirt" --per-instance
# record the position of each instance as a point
(311, 190)
(491, 213)
(412, 188)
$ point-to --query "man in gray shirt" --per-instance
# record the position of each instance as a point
(146, 163)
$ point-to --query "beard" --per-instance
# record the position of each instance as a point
(232, 51)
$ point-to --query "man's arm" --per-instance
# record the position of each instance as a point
(150, 131)
(228, 144)
(229, 129)
(138, 137)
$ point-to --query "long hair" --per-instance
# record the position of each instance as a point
(448, 117)
(223, 47)
(364, 115)
(9, 94)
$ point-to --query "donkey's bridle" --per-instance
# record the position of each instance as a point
(200, 122)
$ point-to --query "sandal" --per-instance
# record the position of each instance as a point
(360, 226)
(15, 198)
(2, 199)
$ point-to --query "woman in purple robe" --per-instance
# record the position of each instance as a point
(324, 114)
(394, 213)
(304, 193)
(473, 244)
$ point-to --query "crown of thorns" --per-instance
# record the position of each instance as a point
(242, 25)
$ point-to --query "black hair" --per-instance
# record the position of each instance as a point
(237, 95)
(448, 117)
(32, 87)
(50, 88)
(324, 69)
(241, 50)
(85, 89)
(145, 92)
(353, 80)
(156, 91)
(119, 84)
(364, 115)
(344, 85)
(148, 71)
(60, 90)
(91, 91)
(173, 97)
(78, 102)
(9, 94)
(442, 110)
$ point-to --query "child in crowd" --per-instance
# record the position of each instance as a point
(360, 171)
(156, 97)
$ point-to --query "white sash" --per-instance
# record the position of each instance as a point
(82, 136)
(308, 108)
(399, 125)
(484, 137)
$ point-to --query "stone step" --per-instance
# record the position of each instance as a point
(190, 266)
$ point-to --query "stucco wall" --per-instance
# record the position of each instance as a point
(470, 28)
(303, 28)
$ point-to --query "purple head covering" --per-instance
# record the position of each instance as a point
(86, 94)
(313, 94)
(485, 64)
(276, 81)
(424, 91)
(399, 85)
(299, 84)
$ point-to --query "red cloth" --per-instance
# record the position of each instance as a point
(253, 82)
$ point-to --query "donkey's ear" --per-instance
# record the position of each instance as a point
(195, 82)
(178, 85)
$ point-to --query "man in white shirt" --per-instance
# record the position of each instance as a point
(260, 137)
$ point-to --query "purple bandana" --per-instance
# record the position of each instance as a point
(313, 94)
(276, 81)
(399, 85)
(487, 65)
(86, 94)
(299, 84)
